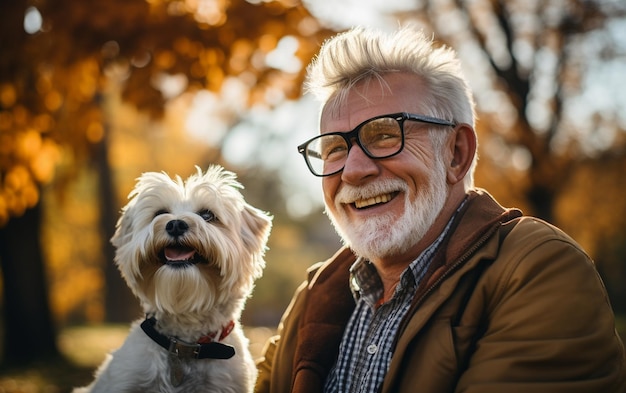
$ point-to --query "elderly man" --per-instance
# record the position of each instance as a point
(438, 288)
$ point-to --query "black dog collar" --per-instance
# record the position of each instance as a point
(182, 349)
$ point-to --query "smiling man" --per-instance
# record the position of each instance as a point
(438, 288)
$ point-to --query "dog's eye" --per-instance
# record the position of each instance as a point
(162, 211)
(207, 215)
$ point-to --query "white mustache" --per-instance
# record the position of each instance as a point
(349, 194)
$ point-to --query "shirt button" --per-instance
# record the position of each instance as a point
(371, 349)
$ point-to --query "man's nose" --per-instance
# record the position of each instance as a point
(358, 166)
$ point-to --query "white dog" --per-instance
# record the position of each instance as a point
(190, 251)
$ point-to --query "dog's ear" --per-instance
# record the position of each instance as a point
(123, 228)
(256, 229)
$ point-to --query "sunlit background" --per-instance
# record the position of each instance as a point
(94, 93)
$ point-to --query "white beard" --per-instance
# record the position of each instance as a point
(385, 235)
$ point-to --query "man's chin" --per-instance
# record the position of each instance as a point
(371, 243)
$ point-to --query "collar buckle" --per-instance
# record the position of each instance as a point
(183, 350)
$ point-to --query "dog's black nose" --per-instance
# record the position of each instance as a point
(176, 228)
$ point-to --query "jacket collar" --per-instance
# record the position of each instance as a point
(477, 222)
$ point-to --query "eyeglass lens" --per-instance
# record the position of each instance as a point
(379, 138)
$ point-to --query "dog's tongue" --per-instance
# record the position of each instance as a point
(178, 253)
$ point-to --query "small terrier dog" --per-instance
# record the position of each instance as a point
(190, 251)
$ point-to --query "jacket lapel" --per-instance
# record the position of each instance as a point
(323, 322)
(466, 252)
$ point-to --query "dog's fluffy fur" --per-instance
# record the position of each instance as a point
(190, 251)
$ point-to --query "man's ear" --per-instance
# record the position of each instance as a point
(463, 147)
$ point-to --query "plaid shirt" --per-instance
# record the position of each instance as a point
(366, 348)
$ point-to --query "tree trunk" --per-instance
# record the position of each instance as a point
(541, 200)
(120, 304)
(29, 331)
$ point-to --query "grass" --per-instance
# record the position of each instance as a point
(83, 349)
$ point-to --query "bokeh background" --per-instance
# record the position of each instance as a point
(93, 93)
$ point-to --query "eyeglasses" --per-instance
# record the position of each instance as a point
(378, 137)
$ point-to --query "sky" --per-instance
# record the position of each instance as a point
(348, 13)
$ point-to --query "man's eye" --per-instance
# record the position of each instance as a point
(207, 215)
(334, 151)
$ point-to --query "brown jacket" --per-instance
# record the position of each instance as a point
(510, 304)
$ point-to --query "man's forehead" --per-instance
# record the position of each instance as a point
(391, 93)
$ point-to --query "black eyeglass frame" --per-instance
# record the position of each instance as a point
(400, 117)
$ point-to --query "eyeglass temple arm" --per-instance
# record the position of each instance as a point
(429, 119)
(310, 153)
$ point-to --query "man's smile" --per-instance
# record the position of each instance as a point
(384, 198)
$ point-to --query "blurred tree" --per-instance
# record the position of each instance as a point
(530, 62)
(58, 59)
(30, 331)
(602, 232)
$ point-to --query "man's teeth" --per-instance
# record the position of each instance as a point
(372, 201)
